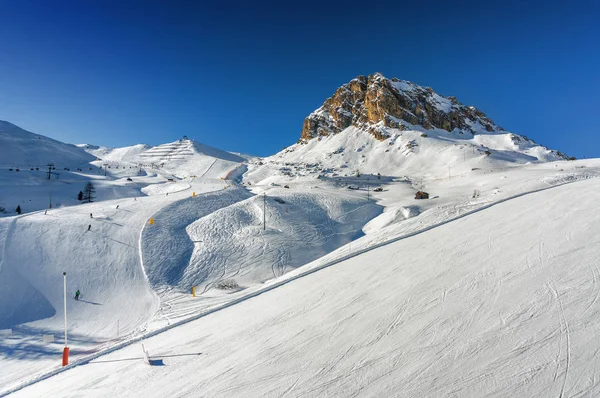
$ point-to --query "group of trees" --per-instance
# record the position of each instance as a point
(87, 196)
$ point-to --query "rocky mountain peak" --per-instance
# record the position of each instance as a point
(375, 103)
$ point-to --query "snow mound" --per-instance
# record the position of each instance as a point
(166, 246)
(391, 216)
(232, 244)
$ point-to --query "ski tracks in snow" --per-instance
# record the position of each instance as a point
(9, 230)
(564, 331)
(564, 342)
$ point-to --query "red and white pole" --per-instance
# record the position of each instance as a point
(65, 359)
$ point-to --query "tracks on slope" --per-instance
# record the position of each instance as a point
(284, 281)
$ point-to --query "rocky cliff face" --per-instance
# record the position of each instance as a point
(375, 103)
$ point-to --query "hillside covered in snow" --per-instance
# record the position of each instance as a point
(22, 149)
(390, 128)
(472, 306)
(317, 270)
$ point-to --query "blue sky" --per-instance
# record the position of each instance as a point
(242, 76)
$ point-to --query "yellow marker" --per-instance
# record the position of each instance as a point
(193, 193)
(151, 222)
(193, 291)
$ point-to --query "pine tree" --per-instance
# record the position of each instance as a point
(18, 209)
(88, 193)
(80, 196)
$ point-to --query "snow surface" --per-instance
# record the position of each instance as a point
(442, 104)
(346, 291)
(21, 149)
(123, 154)
(471, 308)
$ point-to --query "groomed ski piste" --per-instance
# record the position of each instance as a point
(488, 288)
(501, 302)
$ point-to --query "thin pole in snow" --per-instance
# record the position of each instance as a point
(65, 300)
(65, 358)
(264, 211)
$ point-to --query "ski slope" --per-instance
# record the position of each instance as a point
(104, 263)
(208, 211)
(186, 157)
(171, 304)
(133, 275)
(233, 244)
(115, 155)
(98, 245)
(503, 302)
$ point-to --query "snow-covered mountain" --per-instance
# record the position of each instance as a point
(21, 148)
(383, 106)
(346, 284)
(181, 158)
(186, 157)
(390, 127)
(122, 154)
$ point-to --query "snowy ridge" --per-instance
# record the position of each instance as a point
(123, 154)
(412, 153)
(20, 148)
(185, 158)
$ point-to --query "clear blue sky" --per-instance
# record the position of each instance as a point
(241, 76)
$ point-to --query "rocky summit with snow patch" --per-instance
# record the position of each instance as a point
(388, 127)
(377, 104)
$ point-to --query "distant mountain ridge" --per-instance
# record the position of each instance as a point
(122, 154)
(19, 147)
(182, 149)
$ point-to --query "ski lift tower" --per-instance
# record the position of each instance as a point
(51, 167)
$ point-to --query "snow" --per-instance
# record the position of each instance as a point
(104, 262)
(405, 153)
(21, 149)
(486, 310)
(487, 288)
(301, 228)
(403, 85)
(123, 154)
(392, 216)
(441, 103)
(411, 89)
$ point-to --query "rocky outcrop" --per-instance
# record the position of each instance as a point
(375, 103)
